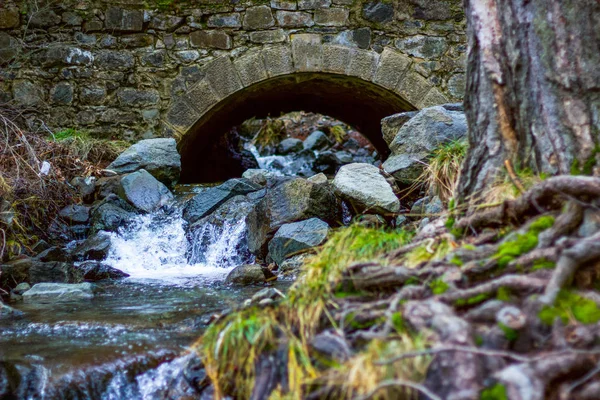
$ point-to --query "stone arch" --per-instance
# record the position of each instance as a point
(356, 86)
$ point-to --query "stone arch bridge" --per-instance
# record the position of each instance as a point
(148, 68)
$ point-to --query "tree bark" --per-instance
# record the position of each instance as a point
(533, 88)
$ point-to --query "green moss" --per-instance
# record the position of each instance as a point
(438, 286)
(353, 322)
(478, 339)
(412, 281)
(469, 247)
(543, 263)
(398, 322)
(496, 392)
(456, 261)
(503, 294)
(569, 304)
(509, 333)
(510, 250)
(588, 165)
(480, 298)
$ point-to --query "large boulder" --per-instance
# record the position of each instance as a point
(157, 156)
(58, 292)
(111, 214)
(293, 238)
(419, 137)
(75, 214)
(96, 271)
(365, 189)
(247, 274)
(392, 124)
(209, 200)
(95, 247)
(145, 192)
(293, 200)
(290, 145)
(317, 140)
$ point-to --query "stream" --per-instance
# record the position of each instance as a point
(130, 340)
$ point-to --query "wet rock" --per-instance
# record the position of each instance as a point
(96, 271)
(208, 201)
(296, 237)
(378, 11)
(21, 381)
(430, 206)
(371, 220)
(365, 189)
(293, 200)
(21, 288)
(145, 192)
(157, 156)
(111, 214)
(14, 272)
(75, 214)
(418, 137)
(59, 230)
(290, 145)
(317, 140)
(7, 312)
(247, 274)
(266, 293)
(54, 254)
(40, 246)
(318, 179)
(106, 186)
(95, 247)
(61, 272)
(58, 292)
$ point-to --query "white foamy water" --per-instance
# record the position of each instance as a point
(278, 165)
(155, 246)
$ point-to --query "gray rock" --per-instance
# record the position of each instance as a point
(247, 274)
(53, 272)
(208, 201)
(259, 17)
(258, 176)
(318, 179)
(75, 213)
(333, 346)
(392, 124)
(293, 200)
(95, 247)
(428, 47)
(145, 192)
(266, 293)
(316, 141)
(343, 157)
(290, 145)
(291, 266)
(85, 187)
(21, 288)
(54, 254)
(590, 224)
(430, 206)
(417, 138)
(58, 292)
(157, 156)
(96, 271)
(9, 312)
(40, 246)
(378, 11)
(365, 189)
(111, 214)
(296, 237)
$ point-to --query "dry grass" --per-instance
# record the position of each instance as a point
(442, 171)
(28, 193)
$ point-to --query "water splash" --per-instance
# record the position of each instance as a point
(288, 165)
(222, 245)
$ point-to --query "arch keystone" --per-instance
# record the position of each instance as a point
(363, 64)
(336, 59)
(391, 68)
(278, 60)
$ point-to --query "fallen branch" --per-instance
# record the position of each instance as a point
(513, 282)
(398, 382)
(464, 349)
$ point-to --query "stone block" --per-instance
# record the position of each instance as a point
(363, 64)
(433, 98)
(313, 4)
(229, 20)
(93, 25)
(278, 60)
(307, 52)
(155, 58)
(392, 65)
(187, 56)
(119, 19)
(114, 60)
(331, 16)
(27, 93)
(182, 116)
(163, 22)
(116, 116)
(251, 67)
(8, 48)
(428, 47)
(137, 40)
(61, 54)
(92, 95)
(62, 93)
(210, 39)
(71, 19)
(294, 19)
(137, 97)
(271, 36)
(43, 18)
(201, 97)
(289, 5)
(457, 85)
(9, 18)
(336, 59)
(378, 11)
(362, 37)
(222, 76)
(259, 17)
(413, 87)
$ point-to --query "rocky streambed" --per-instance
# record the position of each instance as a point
(138, 269)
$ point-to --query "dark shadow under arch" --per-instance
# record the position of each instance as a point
(352, 100)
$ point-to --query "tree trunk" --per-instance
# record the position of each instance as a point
(533, 88)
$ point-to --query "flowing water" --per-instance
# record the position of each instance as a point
(130, 340)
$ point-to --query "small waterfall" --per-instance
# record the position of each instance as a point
(220, 245)
(288, 165)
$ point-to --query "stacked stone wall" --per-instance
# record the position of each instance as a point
(115, 68)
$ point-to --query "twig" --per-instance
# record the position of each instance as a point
(399, 382)
(464, 349)
(513, 177)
